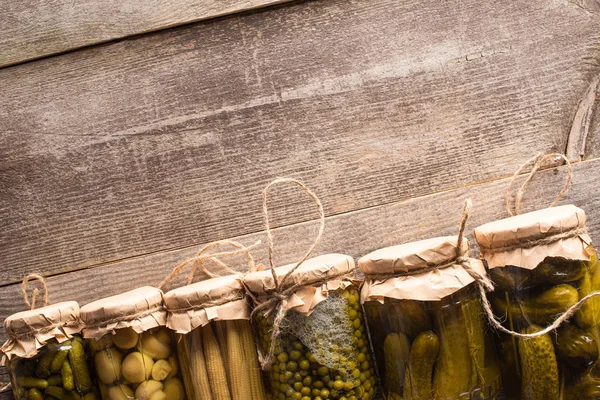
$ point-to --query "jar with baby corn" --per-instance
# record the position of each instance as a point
(427, 323)
(215, 343)
(542, 264)
(45, 354)
(133, 353)
(314, 344)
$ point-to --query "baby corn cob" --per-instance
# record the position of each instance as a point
(183, 354)
(238, 367)
(214, 364)
(199, 366)
(249, 347)
(220, 330)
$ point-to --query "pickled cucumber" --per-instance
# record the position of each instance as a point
(588, 316)
(576, 347)
(33, 381)
(396, 350)
(551, 271)
(539, 309)
(452, 374)
(539, 370)
(419, 371)
(409, 317)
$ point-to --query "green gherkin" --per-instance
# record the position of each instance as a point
(539, 370)
(423, 354)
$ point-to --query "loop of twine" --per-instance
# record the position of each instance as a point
(36, 291)
(200, 259)
(538, 161)
(277, 301)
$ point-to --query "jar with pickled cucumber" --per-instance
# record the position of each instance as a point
(427, 323)
(323, 349)
(133, 353)
(542, 263)
(215, 342)
(59, 369)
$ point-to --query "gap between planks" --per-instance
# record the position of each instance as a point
(197, 245)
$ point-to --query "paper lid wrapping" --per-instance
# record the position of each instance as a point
(432, 285)
(140, 309)
(196, 305)
(319, 275)
(510, 241)
(28, 331)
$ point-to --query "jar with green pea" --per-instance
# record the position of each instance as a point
(323, 350)
(46, 356)
(427, 323)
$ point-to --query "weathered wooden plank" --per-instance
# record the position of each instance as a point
(35, 29)
(354, 233)
(164, 141)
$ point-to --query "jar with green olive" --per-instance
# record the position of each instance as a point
(427, 324)
(46, 355)
(134, 354)
(542, 263)
(322, 351)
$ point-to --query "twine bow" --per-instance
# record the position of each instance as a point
(201, 257)
(277, 302)
(538, 162)
(36, 291)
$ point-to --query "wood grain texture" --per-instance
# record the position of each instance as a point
(355, 233)
(164, 141)
(35, 29)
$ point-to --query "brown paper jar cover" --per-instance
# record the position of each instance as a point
(505, 242)
(140, 309)
(431, 285)
(28, 331)
(187, 306)
(318, 275)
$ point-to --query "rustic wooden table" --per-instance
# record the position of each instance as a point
(132, 135)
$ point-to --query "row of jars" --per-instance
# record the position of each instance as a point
(412, 327)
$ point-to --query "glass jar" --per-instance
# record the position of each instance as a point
(133, 353)
(323, 350)
(542, 263)
(215, 343)
(59, 369)
(427, 323)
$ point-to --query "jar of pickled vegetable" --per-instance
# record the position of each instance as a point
(542, 263)
(323, 349)
(46, 356)
(427, 323)
(216, 347)
(133, 353)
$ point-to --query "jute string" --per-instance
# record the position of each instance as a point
(200, 260)
(36, 291)
(538, 162)
(460, 259)
(276, 301)
(5, 387)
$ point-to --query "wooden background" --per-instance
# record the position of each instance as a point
(133, 133)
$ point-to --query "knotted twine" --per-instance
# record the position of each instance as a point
(538, 161)
(36, 291)
(200, 259)
(6, 386)
(276, 303)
